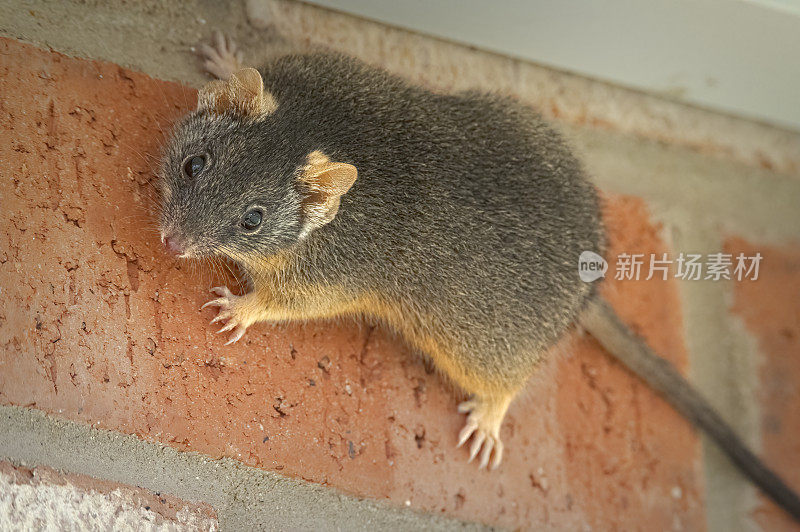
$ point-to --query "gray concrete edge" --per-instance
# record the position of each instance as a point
(245, 498)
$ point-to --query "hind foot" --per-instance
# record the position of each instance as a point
(223, 58)
(483, 426)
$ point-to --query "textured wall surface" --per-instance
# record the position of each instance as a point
(100, 327)
(770, 311)
(106, 330)
(43, 499)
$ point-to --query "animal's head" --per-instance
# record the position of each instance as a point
(229, 187)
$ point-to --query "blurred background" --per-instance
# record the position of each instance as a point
(735, 56)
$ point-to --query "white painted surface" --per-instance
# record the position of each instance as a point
(51, 507)
(736, 56)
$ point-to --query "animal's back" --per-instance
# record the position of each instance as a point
(468, 203)
(458, 219)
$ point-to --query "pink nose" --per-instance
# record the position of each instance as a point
(173, 245)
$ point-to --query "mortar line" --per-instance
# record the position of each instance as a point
(245, 498)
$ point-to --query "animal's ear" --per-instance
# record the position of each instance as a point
(324, 182)
(242, 94)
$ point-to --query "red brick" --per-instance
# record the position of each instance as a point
(770, 308)
(100, 326)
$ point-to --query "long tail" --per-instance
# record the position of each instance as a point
(604, 324)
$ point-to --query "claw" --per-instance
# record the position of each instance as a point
(219, 37)
(498, 454)
(466, 432)
(230, 45)
(477, 442)
(227, 327)
(210, 54)
(222, 291)
(221, 316)
(221, 302)
(237, 335)
(487, 452)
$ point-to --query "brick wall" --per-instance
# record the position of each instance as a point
(101, 328)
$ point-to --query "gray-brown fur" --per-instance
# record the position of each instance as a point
(464, 227)
(464, 211)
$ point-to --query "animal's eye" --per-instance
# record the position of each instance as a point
(252, 219)
(194, 165)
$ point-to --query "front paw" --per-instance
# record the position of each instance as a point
(223, 58)
(230, 310)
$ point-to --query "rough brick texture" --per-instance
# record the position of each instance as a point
(770, 309)
(98, 325)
